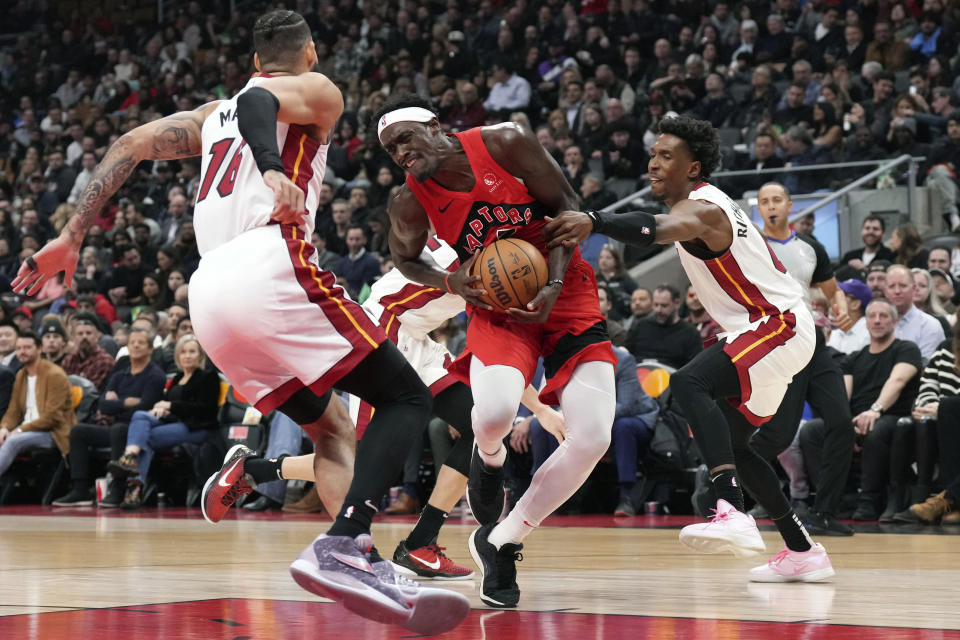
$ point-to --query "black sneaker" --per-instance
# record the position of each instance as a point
(704, 496)
(498, 569)
(112, 500)
(826, 524)
(76, 498)
(485, 490)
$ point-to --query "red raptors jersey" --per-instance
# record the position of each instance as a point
(499, 206)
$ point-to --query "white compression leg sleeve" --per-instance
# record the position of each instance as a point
(496, 397)
(588, 402)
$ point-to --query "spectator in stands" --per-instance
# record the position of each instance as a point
(926, 298)
(877, 277)
(469, 111)
(873, 112)
(924, 45)
(857, 337)
(40, 413)
(762, 99)
(89, 359)
(172, 220)
(336, 233)
(882, 380)
(907, 246)
(618, 335)
(764, 156)
(8, 346)
(508, 91)
(939, 258)
(186, 414)
(612, 272)
(135, 385)
(913, 324)
(717, 106)
(942, 165)
(871, 233)
(904, 142)
(893, 53)
(854, 47)
(793, 110)
(641, 304)
(826, 132)
(801, 152)
(124, 284)
(53, 339)
(633, 424)
(661, 336)
(828, 34)
(358, 267)
(935, 415)
(707, 327)
(574, 167)
(327, 259)
(861, 147)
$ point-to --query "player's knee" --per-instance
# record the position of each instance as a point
(492, 417)
(593, 438)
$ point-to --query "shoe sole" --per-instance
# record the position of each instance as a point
(490, 602)
(711, 545)
(814, 576)
(411, 573)
(82, 503)
(206, 485)
(433, 611)
(121, 472)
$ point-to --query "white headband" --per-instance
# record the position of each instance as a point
(407, 114)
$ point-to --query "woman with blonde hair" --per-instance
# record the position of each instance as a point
(926, 298)
(187, 413)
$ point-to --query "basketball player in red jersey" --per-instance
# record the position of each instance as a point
(474, 187)
(740, 382)
(271, 319)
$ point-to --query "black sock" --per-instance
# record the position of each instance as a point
(263, 470)
(793, 532)
(427, 528)
(352, 520)
(725, 482)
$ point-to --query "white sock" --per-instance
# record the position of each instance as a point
(494, 459)
(513, 529)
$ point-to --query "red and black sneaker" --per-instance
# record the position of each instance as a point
(428, 562)
(226, 486)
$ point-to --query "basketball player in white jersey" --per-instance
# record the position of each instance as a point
(408, 312)
(270, 319)
(737, 384)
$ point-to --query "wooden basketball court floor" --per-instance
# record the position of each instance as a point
(166, 573)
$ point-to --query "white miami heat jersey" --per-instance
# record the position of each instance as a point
(394, 300)
(232, 197)
(747, 282)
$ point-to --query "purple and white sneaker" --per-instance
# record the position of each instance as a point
(339, 568)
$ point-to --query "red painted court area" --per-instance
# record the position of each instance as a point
(285, 620)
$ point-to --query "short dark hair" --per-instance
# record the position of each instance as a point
(774, 183)
(700, 137)
(883, 225)
(765, 135)
(885, 75)
(948, 252)
(357, 226)
(279, 35)
(30, 335)
(669, 288)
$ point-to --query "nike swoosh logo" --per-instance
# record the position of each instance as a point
(232, 467)
(442, 209)
(352, 561)
(432, 565)
(370, 504)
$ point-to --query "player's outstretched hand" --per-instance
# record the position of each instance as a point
(58, 255)
(462, 283)
(841, 319)
(288, 198)
(538, 309)
(570, 228)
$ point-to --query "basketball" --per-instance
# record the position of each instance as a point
(512, 271)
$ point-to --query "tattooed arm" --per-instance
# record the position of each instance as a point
(176, 136)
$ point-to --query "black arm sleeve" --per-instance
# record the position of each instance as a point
(257, 119)
(638, 228)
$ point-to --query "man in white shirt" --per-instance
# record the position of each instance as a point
(858, 297)
(914, 325)
(509, 92)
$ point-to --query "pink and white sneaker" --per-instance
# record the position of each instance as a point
(728, 530)
(795, 566)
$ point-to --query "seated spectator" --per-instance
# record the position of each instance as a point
(761, 100)
(187, 413)
(595, 196)
(877, 277)
(926, 298)
(764, 156)
(871, 232)
(942, 166)
(793, 111)
(913, 324)
(907, 246)
(716, 107)
(618, 335)
(826, 128)
(135, 385)
(612, 272)
(358, 267)
(939, 258)
(623, 156)
(801, 152)
(574, 167)
(857, 337)
(882, 380)
(53, 339)
(89, 359)
(8, 346)
(469, 111)
(508, 91)
(707, 327)
(641, 304)
(893, 53)
(944, 287)
(40, 413)
(661, 336)
(124, 284)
